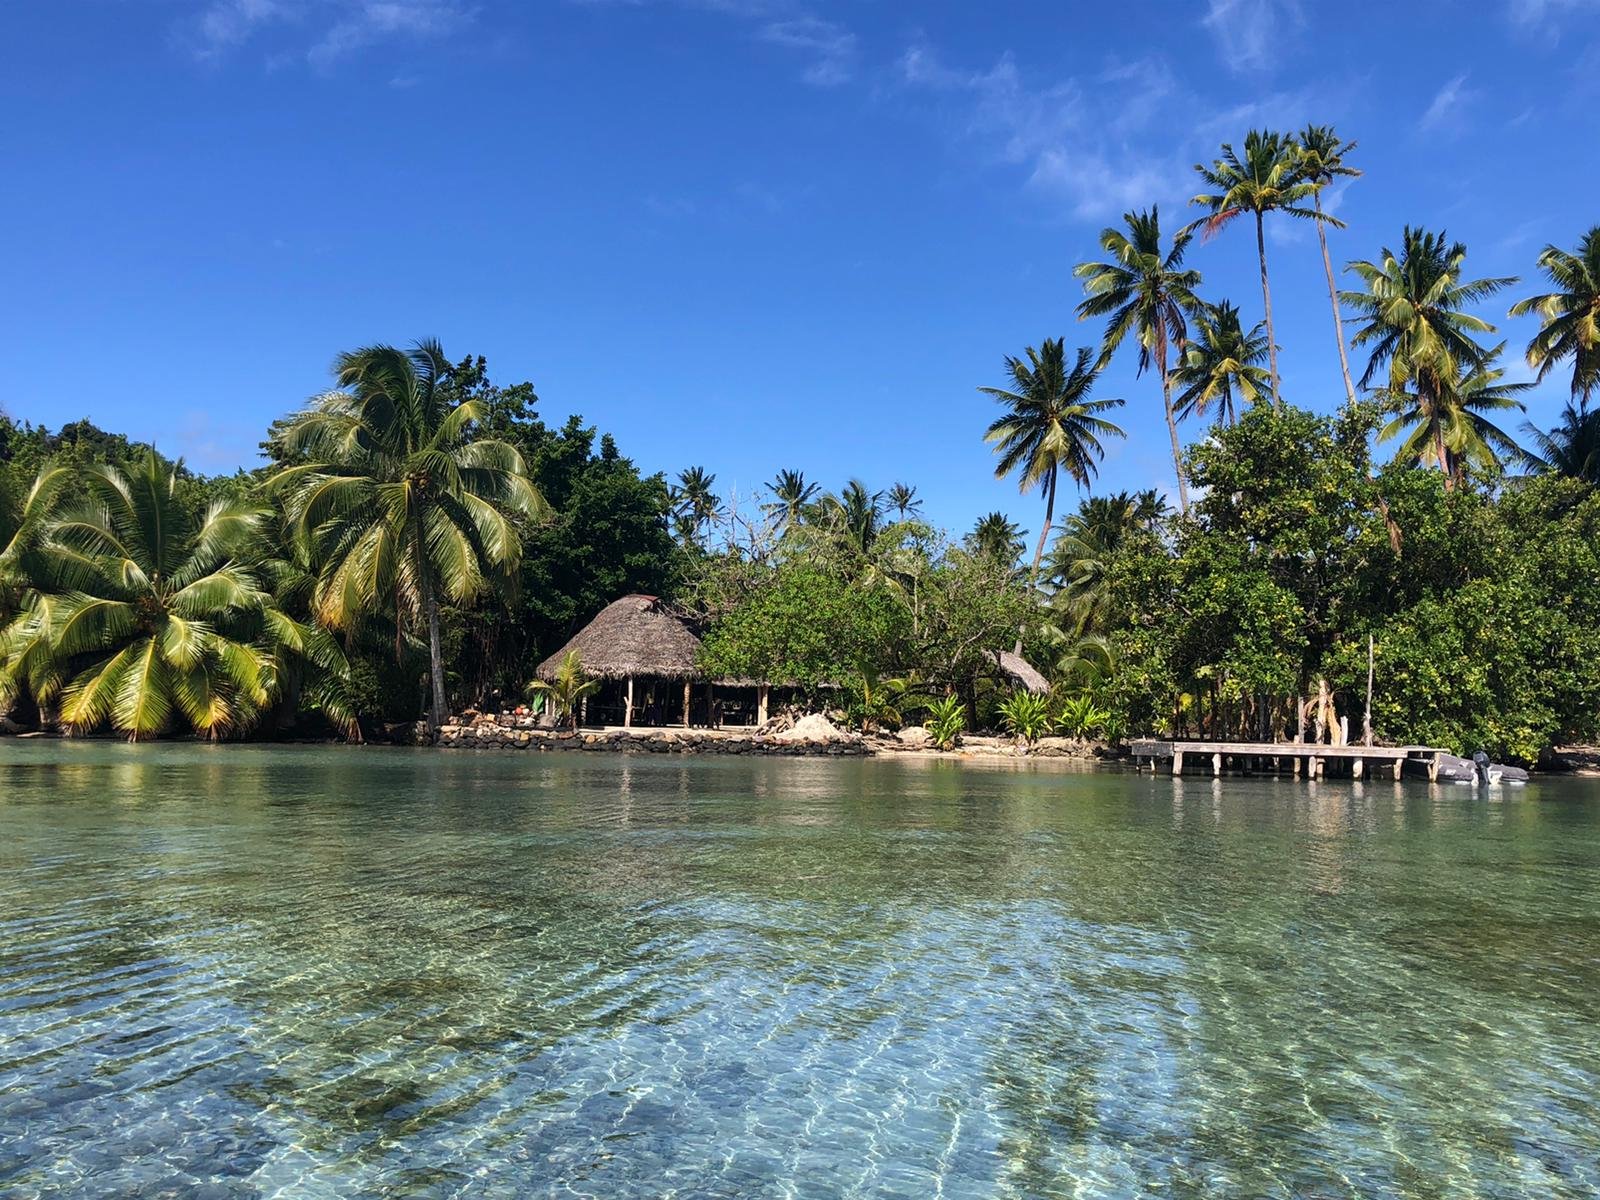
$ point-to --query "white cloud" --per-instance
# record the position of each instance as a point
(1535, 12)
(1445, 109)
(334, 28)
(1250, 33)
(830, 46)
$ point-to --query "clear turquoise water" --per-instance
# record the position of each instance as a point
(328, 972)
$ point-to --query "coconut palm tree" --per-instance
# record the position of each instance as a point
(1223, 359)
(1570, 314)
(902, 500)
(25, 565)
(855, 514)
(694, 503)
(408, 506)
(1572, 448)
(156, 617)
(997, 538)
(568, 689)
(1082, 558)
(1145, 291)
(1414, 317)
(1322, 160)
(1265, 178)
(1051, 424)
(791, 496)
(1448, 424)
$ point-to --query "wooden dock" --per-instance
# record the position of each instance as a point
(1309, 759)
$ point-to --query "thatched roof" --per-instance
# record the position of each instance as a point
(632, 636)
(1020, 671)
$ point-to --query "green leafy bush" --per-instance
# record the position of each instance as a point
(946, 721)
(1081, 717)
(1026, 716)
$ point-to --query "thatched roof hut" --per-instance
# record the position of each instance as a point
(632, 636)
(1020, 672)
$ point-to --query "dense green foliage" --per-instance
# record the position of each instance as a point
(419, 540)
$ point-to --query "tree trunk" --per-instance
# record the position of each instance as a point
(1172, 425)
(1333, 297)
(1038, 554)
(430, 604)
(1266, 300)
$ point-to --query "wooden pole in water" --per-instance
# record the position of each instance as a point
(627, 713)
(688, 694)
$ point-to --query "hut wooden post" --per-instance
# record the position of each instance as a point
(763, 694)
(688, 695)
(711, 705)
(627, 713)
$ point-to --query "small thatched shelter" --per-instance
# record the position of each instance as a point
(1020, 672)
(646, 652)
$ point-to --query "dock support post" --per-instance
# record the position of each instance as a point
(1177, 762)
(1216, 765)
(1356, 765)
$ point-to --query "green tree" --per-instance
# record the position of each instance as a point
(902, 501)
(156, 615)
(791, 497)
(996, 537)
(409, 506)
(694, 503)
(1448, 423)
(1414, 317)
(1322, 160)
(854, 516)
(1144, 291)
(1265, 178)
(1223, 359)
(1051, 424)
(1570, 314)
(567, 690)
(1572, 448)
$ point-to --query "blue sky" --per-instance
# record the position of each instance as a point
(748, 234)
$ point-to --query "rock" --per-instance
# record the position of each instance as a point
(915, 736)
(817, 728)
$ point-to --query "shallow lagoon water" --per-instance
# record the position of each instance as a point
(240, 972)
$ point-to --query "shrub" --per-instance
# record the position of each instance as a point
(1026, 716)
(947, 719)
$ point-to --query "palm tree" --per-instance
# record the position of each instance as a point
(997, 538)
(1145, 292)
(1266, 178)
(791, 496)
(1222, 359)
(1415, 323)
(408, 506)
(902, 498)
(694, 501)
(1082, 558)
(25, 566)
(1051, 424)
(1448, 425)
(1571, 314)
(855, 514)
(1572, 448)
(568, 689)
(157, 616)
(1322, 155)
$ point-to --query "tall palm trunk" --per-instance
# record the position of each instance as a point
(1172, 425)
(1044, 536)
(1266, 300)
(1333, 298)
(430, 605)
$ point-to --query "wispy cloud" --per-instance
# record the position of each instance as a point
(1536, 12)
(1445, 110)
(1120, 137)
(329, 29)
(1250, 33)
(830, 48)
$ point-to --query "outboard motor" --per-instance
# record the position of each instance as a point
(1480, 760)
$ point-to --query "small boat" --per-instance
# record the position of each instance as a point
(1490, 774)
(1475, 770)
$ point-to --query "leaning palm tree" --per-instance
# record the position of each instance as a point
(997, 538)
(1448, 425)
(408, 506)
(1572, 448)
(1223, 359)
(26, 569)
(791, 496)
(1265, 178)
(1322, 154)
(1414, 317)
(157, 617)
(1570, 314)
(902, 499)
(1145, 291)
(1051, 424)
